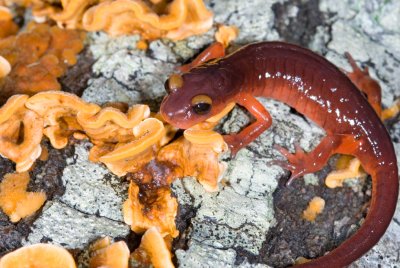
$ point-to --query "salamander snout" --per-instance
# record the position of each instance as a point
(190, 100)
(184, 114)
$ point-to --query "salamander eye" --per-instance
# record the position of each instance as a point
(201, 104)
(173, 83)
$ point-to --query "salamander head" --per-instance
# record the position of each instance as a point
(194, 97)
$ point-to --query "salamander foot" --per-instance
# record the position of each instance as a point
(298, 163)
(234, 144)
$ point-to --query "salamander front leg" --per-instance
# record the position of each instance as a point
(301, 163)
(250, 133)
(214, 51)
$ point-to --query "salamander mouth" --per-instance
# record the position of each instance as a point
(175, 121)
(180, 124)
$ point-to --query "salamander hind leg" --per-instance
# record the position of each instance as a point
(301, 163)
(365, 83)
(351, 167)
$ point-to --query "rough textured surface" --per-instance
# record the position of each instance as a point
(76, 78)
(124, 73)
(89, 207)
(254, 221)
(89, 188)
(62, 225)
(201, 256)
(46, 175)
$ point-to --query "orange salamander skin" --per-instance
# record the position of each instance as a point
(317, 89)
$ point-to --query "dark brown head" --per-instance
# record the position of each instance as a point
(193, 97)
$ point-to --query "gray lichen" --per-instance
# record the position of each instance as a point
(200, 255)
(91, 189)
(67, 227)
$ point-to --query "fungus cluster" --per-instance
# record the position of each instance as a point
(392, 111)
(15, 201)
(138, 148)
(103, 253)
(150, 204)
(5, 67)
(151, 208)
(197, 153)
(123, 141)
(119, 138)
(154, 250)
(226, 34)
(314, 208)
(21, 131)
(7, 25)
(153, 19)
(37, 256)
(7, 28)
(346, 167)
(35, 58)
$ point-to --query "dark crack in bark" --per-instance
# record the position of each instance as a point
(183, 221)
(46, 175)
(297, 28)
(184, 224)
(76, 78)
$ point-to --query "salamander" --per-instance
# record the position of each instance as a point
(314, 87)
